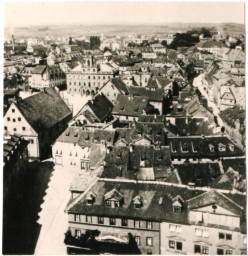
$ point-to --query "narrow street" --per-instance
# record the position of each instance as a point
(197, 83)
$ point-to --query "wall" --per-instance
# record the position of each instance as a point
(118, 230)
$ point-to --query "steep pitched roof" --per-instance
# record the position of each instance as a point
(44, 109)
(39, 69)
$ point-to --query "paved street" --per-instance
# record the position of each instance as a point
(53, 219)
(199, 84)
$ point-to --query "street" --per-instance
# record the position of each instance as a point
(199, 84)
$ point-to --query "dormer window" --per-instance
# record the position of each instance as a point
(138, 202)
(91, 198)
(136, 109)
(75, 135)
(121, 107)
(87, 137)
(177, 204)
(211, 148)
(231, 147)
(222, 147)
(67, 134)
(113, 199)
(173, 149)
(184, 147)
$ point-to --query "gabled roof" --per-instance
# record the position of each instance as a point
(44, 109)
(101, 107)
(214, 197)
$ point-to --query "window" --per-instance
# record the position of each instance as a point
(225, 236)
(8, 118)
(14, 129)
(201, 232)
(19, 119)
(112, 221)
(136, 223)
(175, 228)
(149, 225)
(14, 120)
(5, 128)
(228, 252)
(100, 220)
(176, 209)
(220, 251)
(78, 233)
(137, 239)
(124, 222)
(149, 241)
(197, 248)
(23, 128)
(179, 246)
(172, 244)
(201, 249)
(204, 250)
(88, 219)
(77, 218)
(13, 110)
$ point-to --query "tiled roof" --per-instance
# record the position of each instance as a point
(214, 197)
(182, 147)
(157, 201)
(119, 84)
(199, 174)
(153, 95)
(44, 109)
(101, 107)
(130, 106)
(39, 69)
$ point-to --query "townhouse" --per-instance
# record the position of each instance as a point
(40, 119)
(157, 218)
(44, 76)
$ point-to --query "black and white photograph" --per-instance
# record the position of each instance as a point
(124, 128)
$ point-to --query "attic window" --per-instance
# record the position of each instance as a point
(184, 147)
(138, 202)
(177, 204)
(67, 134)
(123, 135)
(231, 147)
(87, 137)
(211, 147)
(91, 198)
(222, 147)
(113, 198)
(75, 135)
(119, 154)
(121, 107)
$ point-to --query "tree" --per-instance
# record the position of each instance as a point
(164, 43)
(95, 42)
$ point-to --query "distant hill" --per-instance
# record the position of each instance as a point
(122, 30)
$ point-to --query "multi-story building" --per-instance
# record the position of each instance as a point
(44, 76)
(157, 218)
(87, 78)
(40, 119)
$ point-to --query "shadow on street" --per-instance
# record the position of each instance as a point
(21, 209)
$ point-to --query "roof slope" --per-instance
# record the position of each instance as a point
(43, 110)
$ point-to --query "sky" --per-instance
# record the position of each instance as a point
(55, 13)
